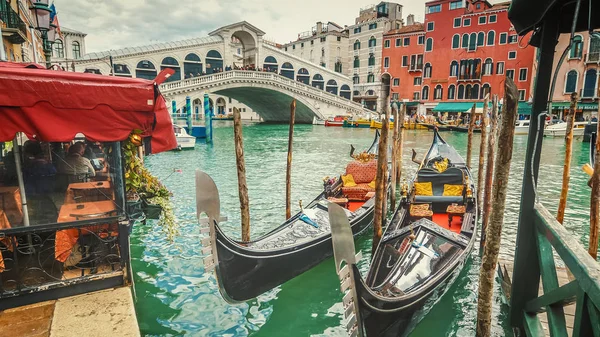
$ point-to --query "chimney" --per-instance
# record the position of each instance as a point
(410, 20)
(319, 27)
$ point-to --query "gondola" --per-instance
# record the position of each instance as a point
(245, 270)
(421, 253)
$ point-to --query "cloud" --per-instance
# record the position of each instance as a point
(112, 24)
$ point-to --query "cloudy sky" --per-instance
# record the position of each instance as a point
(112, 24)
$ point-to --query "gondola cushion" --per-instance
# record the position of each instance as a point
(452, 176)
(362, 172)
(359, 192)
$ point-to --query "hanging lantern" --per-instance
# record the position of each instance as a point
(136, 139)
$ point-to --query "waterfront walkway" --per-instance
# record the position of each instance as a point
(98, 314)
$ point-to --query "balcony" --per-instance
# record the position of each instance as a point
(415, 67)
(592, 57)
(372, 50)
(470, 77)
(14, 29)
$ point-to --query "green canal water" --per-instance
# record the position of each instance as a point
(174, 297)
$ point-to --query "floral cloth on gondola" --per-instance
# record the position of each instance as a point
(363, 174)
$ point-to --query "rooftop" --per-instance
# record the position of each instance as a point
(71, 31)
(416, 27)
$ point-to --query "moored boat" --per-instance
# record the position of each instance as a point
(377, 125)
(337, 121)
(421, 253)
(522, 127)
(245, 270)
(184, 140)
(222, 117)
(560, 129)
(359, 123)
(318, 121)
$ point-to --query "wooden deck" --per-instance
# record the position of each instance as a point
(562, 280)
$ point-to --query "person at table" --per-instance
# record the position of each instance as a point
(75, 163)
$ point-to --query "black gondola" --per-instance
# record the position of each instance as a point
(245, 270)
(421, 253)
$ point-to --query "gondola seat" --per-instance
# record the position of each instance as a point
(451, 177)
(363, 174)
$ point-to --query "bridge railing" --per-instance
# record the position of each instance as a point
(272, 77)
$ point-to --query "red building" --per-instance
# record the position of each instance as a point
(462, 51)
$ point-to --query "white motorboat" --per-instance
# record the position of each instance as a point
(560, 129)
(522, 127)
(318, 121)
(184, 140)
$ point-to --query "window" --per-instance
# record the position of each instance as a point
(482, 20)
(322, 52)
(76, 50)
(339, 38)
(492, 19)
(434, 9)
(323, 39)
(370, 78)
(571, 83)
(396, 82)
(438, 92)
(457, 22)
(312, 42)
(523, 74)
(371, 60)
(491, 37)
(469, 91)
(405, 60)
(430, 26)
(59, 49)
(302, 45)
(451, 91)
(465, 41)
(398, 42)
(576, 48)
(512, 55)
(425, 94)
(461, 91)
(454, 69)
(421, 40)
(472, 42)
(373, 26)
(503, 38)
(456, 5)
(427, 71)
(417, 81)
(456, 41)
(386, 43)
(416, 96)
(386, 62)
(589, 83)
(485, 90)
(356, 79)
(356, 62)
(500, 68)
(510, 73)
(293, 46)
(356, 45)
(286, 48)
(372, 41)
(466, 22)
(480, 39)
(406, 41)
(357, 30)
(488, 67)
(513, 39)
(395, 96)
(338, 67)
(429, 44)
(478, 6)
(522, 94)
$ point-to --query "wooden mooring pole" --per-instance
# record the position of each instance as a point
(241, 172)
(395, 179)
(482, 149)
(380, 182)
(562, 204)
(470, 137)
(401, 116)
(494, 229)
(595, 199)
(489, 171)
(288, 172)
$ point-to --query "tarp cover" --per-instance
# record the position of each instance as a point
(54, 106)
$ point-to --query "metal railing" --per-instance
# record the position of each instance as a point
(12, 20)
(415, 67)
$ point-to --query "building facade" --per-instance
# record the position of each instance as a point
(325, 44)
(20, 41)
(67, 48)
(365, 50)
(463, 51)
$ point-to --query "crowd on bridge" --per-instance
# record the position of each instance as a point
(250, 67)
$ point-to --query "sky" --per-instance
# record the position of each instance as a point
(113, 24)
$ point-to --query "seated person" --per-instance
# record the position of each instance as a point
(75, 163)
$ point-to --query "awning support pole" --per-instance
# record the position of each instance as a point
(21, 183)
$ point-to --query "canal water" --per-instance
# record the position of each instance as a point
(175, 297)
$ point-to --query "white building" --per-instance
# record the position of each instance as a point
(324, 44)
(365, 48)
(68, 48)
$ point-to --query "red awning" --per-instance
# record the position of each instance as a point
(54, 106)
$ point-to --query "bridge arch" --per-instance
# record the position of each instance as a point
(171, 63)
(332, 87)
(303, 76)
(318, 81)
(287, 70)
(221, 106)
(214, 61)
(145, 69)
(270, 64)
(345, 91)
(249, 46)
(192, 65)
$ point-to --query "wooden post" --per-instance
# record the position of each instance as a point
(562, 204)
(241, 172)
(380, 182)
(395, 179)
(401, 116)
(595, 200)
(470, 138)
(489, 171)
(494, 230)
(482, 149)
(288, 172)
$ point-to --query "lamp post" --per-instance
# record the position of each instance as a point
(42, 16)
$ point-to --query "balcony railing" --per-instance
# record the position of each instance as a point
(15, 29)
(415, 67)
(470, 77)
(592, 57)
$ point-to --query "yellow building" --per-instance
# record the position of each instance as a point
(20, 42)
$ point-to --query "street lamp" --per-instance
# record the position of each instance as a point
(42, 17)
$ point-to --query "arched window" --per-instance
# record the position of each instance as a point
(287, 70)
(370, 93)
(59, 49)
(356, 62)
(429, 44)
(473, 41)
(270, 64)
(214, 62)
(480, 39)
(488, 67)
(461, 91)
(456, 41)
(468, 92)
(438, 92)
(318, 81)
(76, 50)
(465, 41)
(427, 71)
(356, 79)
(475, 94)
(145, 69)
(356, 45)
(425, 94)
(491, 38)
(372, 60)
(345, 91)
(372, 41)
(332, 87)
(454, 68)
(121, 70)
(571, 82)
(451, 91)
(356, 93)
(577, 47)
(370, 78)
(303, 76)
(589, 83)
(486, 90)
(192, 66)
(171, 63)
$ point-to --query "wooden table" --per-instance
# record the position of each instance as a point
(89, 191)
(419, 211)
(455, 210)
(67, 238)
(10, 202)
